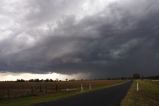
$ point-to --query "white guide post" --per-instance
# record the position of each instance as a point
(90, 87)
(81, 87)
(137, 87)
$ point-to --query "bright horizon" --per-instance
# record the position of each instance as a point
(10, 76)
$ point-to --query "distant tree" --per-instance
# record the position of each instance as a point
(152, 77)
(51, 80)
(66, 79)
(20, 80)
(123, 78)
(136, 76)
(36, 80)
(108, 78)
(41, 80)
(31, 80)
(47, 80)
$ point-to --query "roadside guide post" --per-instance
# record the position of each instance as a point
(81, 87)
(137, 87)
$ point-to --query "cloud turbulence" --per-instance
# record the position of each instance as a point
(101, 37)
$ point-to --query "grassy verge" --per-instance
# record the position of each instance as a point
(148, 94)
(30, 100)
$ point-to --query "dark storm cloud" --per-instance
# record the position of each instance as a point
(120, 39)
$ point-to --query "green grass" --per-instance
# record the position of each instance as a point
(30, 100)
(148, 94)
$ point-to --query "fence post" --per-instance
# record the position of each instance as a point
(46, 89)
(32, 90)
(81, 87)
(40, 88)
(56, 87)
(90, 87)
(8, 92)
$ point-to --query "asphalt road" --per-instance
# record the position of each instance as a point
(105, 97)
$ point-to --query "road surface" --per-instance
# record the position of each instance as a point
(106, 97)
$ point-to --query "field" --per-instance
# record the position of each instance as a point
(28, 93)
(148, 94)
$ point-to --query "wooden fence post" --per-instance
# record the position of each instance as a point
(8, 92)
(90, 87)
(56, 87)
(40, 88)
(46, 89)
(32, 90)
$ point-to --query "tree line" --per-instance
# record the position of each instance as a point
(134, 76)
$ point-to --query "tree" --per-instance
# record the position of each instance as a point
(31, 80)
(136, 76)
(36, 80)
(20, 80)
(66, 79)
(47, 80)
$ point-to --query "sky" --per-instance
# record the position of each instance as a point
(98, 38)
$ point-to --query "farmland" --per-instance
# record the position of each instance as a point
(148, 94)
(27, 93)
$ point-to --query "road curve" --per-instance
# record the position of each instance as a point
(106, 97)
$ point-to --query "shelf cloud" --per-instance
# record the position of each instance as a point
(101, 37)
